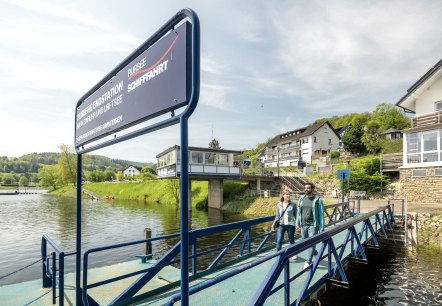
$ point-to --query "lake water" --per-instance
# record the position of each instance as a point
(24, 219)
(392, 277)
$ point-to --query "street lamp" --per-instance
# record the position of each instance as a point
(347, 159)
(277, 161)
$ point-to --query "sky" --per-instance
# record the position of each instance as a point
(267, 67)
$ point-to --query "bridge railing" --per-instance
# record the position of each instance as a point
(242, 243)
(381, 217)
(245, 242)
(50, 268)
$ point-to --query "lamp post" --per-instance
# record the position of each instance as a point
(347, 159)
(277, 161)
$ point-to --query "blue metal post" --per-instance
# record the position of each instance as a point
(44, 254)
(78, 240)
(343, 180)
(184, 213)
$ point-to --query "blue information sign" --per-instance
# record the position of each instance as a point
(151, 84)
(344, 174)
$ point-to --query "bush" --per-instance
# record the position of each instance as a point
(393, 146)
(335, 154)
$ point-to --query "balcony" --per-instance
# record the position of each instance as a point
(291, 157)
(426, 120)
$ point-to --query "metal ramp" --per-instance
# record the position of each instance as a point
(243, 269)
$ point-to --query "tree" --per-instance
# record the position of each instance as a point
(119, 176)
(389, 116)
(49, 175)
(147, 173)
(23, 181)
(173, 188)
(352, 139)
(109, 175)
(214, 144)
(68, 164)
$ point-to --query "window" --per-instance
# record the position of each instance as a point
(419, 173)
(438, 106)
(210, 158)
(196, 157)
(430, 141)
(329, 142)
(430, 147)
(223, 159)
(414, 143)
(314, 139)
(438, 172)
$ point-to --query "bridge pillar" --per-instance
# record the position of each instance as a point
(258, 183)
(215, 193)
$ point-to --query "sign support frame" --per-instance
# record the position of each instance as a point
(193, 86)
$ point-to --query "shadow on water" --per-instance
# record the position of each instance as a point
(393, 276)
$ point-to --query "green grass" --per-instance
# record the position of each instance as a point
(152, 191)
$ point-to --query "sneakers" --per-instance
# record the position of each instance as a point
(306, 265)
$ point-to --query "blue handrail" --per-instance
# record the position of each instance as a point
(283, 258)
(49, 272)
(244, 228)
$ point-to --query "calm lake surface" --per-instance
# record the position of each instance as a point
(392, 277)
(24, 219)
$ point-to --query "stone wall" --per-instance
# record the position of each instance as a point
(427, 227)
(427, 189)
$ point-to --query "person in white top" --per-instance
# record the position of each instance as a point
(285, 213)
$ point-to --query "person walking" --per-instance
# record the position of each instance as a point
(285, 215)
(310, 217)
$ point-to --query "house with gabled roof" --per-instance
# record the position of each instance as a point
(131, 171)
(421, 172)
(303, 144)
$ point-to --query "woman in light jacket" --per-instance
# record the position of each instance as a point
(285, 213)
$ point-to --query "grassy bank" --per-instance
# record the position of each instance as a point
(161, 191)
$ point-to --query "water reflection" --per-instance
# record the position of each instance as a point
(393, 276)
(25, 218)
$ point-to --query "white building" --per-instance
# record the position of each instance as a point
(304, 144)
(131, 171)
(202, 162)
(421, 173)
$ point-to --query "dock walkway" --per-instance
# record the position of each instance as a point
(236, 290)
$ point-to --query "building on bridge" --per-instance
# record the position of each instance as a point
(202, 162)
(421, 170)
(304, 144)
(212, 165)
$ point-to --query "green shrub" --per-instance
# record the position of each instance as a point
(335, 154)
(393, 146)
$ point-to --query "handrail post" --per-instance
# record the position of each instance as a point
(44, 254)
(61, 279)
(54, 278)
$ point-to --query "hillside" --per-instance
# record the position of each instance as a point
(12, 168)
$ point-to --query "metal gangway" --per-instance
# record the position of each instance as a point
(243, 269)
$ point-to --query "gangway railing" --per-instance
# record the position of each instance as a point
(50, 268)
(243, 246)
(327, 251)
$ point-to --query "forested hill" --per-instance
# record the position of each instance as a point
(30, 163)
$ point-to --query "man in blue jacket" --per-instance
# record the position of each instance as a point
(310, 217)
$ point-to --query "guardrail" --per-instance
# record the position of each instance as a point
(243, 247)
(281, 264)
(50, 268)
(426, 120)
